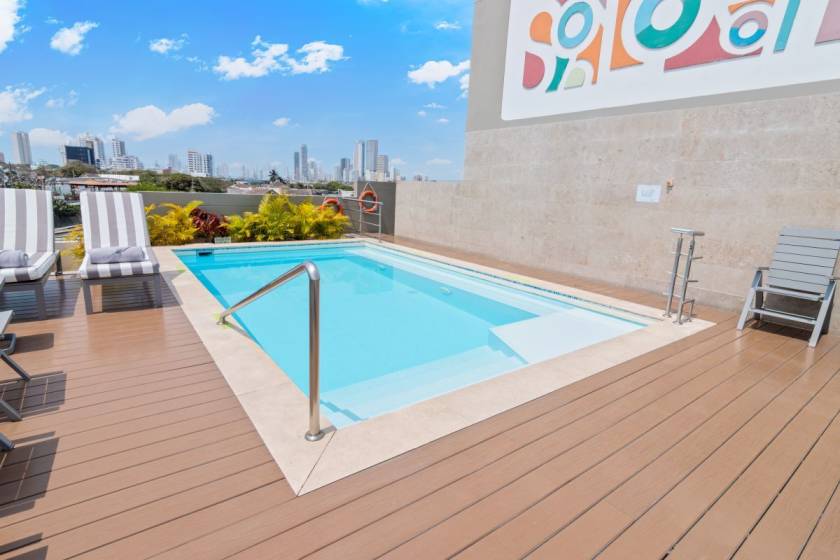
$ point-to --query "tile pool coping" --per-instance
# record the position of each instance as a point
(279, 410)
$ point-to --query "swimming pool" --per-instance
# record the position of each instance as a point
(396, 329)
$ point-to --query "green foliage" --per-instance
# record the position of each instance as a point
(177, 182)
(62, 209)
(173, 228)
(76, 169)
(278, 219)
(335, 186)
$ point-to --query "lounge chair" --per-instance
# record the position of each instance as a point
(112, 220)
(26, 224)
(6, 348)
(802, 269)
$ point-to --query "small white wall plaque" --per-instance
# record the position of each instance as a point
(649, 194)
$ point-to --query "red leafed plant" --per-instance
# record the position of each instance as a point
(209, 225)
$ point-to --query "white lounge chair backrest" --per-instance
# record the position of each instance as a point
(804, 260)
(112, 219)
(26, 216)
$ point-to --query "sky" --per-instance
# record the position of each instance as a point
(245, 81)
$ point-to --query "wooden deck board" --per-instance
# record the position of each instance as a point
(133, 446)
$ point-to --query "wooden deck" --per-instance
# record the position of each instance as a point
(132, 446)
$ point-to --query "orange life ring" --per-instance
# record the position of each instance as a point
(367, 197)
(333, 203)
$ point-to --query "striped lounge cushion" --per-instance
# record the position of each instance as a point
(113, 219)
(40, 265)
(26, 224)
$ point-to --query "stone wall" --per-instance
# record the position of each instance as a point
(559, 192)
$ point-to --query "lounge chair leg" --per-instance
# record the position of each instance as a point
(59, 267)
(13, 414)
(88, 297)
(158, 291)
(41, 301)
(751, 298)
(5, 443)
(15, 366)
(828, 301)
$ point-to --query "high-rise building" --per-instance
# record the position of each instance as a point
(297, 176)
(359, 160)
(174, 162)
(2, 157)
(383, 166)
(344, 169)
(117, 148)
(98, 146)
(397, 176)
(21, 150)
(371, 153)
(199, 165)
(304, 163)
(83, 154)
(126, 163)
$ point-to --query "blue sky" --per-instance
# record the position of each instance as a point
(246, 81)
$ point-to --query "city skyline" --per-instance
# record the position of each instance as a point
(248, 95)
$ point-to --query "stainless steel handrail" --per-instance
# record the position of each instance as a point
(315, 433)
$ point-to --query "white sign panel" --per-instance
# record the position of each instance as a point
(650, 194)
(567, 56)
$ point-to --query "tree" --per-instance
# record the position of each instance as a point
(334, 186)
(273, 176)
(178, 182)
(76, 169)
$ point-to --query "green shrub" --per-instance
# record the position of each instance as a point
(278, 219)
(176, 227)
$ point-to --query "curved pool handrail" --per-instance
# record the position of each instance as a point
(315, 433)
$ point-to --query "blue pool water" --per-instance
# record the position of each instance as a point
(395, 328)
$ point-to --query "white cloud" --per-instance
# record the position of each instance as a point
(164, 45)
(9, 17)
(434, 106)
(274, 57)
(53, 21)
(317, 57)
(61, 102)
(199, 64)
(447, 25)
(265, 60)
(150, 121)
(435, 72)
(398, 161)
(423, 114)
(281, 122)
(14, 103)
(49, 138)
(438, 161)
(70, 40)
(465, 85)
(443, 120)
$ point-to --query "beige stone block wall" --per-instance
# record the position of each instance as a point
(561, 195)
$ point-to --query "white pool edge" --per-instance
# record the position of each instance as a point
(279, 410)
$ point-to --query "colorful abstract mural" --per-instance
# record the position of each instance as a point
(567, 56)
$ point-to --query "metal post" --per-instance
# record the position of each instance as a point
(314, 433)
(674, 272)
(380, 221)
(686, 279)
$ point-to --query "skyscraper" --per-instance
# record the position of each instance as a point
(383, 167)
(97, 145)
(298, 175)
(304, 162)
(83, 154)
(371, 153)
(20, 148)
(199, 165)
(174, 162)
(344, 170)
(117, 148)
(2, 157)
(359, 160)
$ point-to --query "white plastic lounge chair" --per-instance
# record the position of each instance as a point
(803, 268)
(26, 224)
(110, 220)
